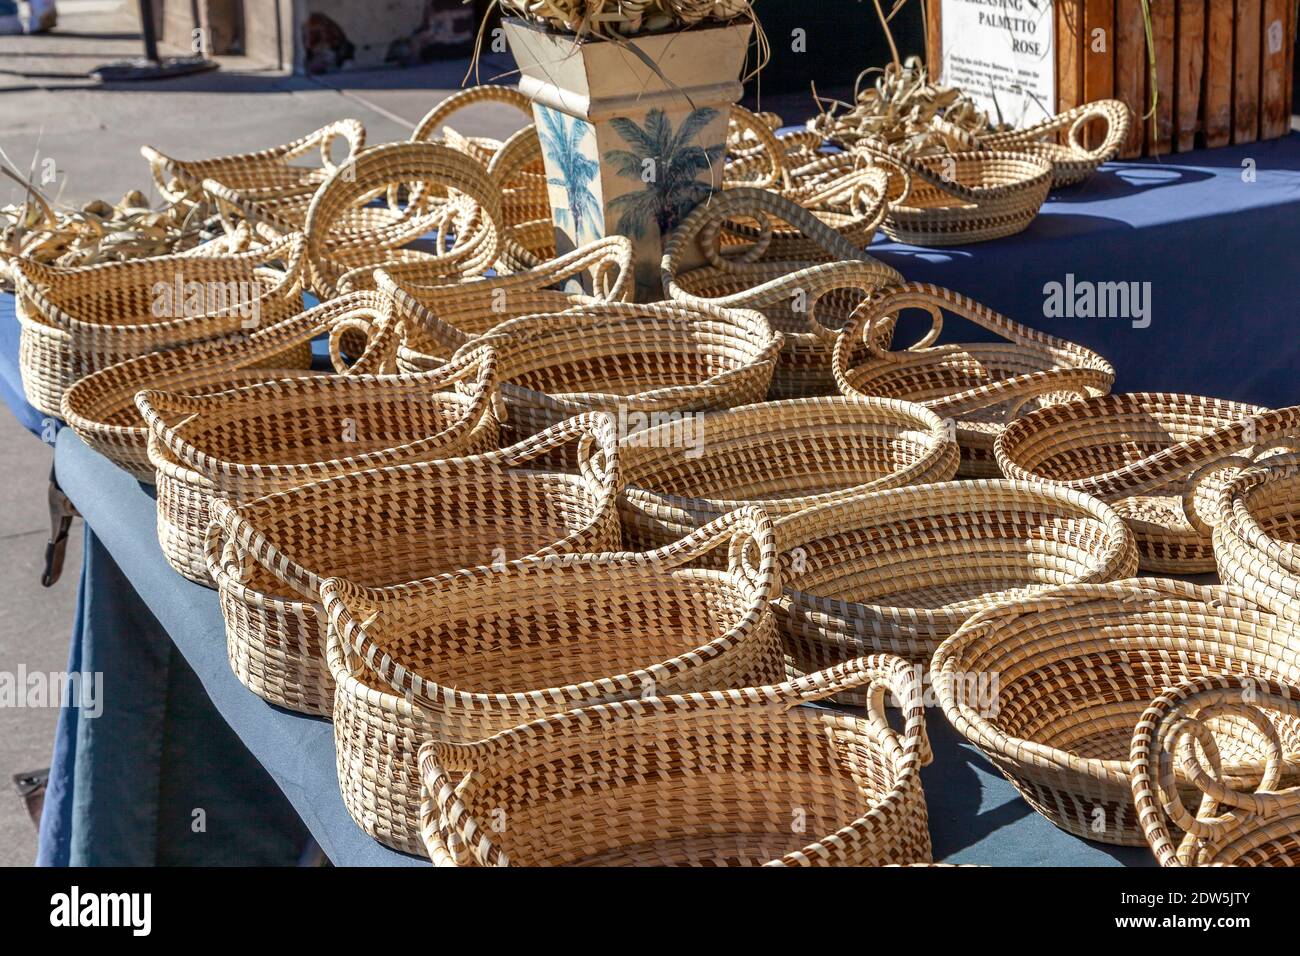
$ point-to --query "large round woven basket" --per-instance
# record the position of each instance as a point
(465, 655)
(981, 386)
(77, 320)
(100, 408)
(1051, 686)
(1257, 534)
(269, 556)
(1184, 731)
(266, 437)
(781, 456)
(1144, 451)
(899, 571)
(726, 778)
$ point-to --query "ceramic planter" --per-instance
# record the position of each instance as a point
(629, 149)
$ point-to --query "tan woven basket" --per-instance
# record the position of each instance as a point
(781, 456)
(1143, 451)
(518, 169)
(1051, 686)
(1183, 732)
(981, 386)
(269, 556)
(432, 124)
(269, 436)
(463, 656)
(1257, 534)
(706, 264)
(726, 778)
(101, 407)
(77, 320)
(898, 571)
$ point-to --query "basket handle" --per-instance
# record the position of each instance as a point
(598, 449)
(745, 121)
(1174, 735)
(1116, 115)
(742, 530)
(465, 98)
(912, 168)
(1205, 522)
(451, 834)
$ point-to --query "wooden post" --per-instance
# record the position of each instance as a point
(1217, 118)
(1274, 118)
(1162, 32)
(1131, 71)
(1099, 51)
(1069, 55)
(1190, 50)
(1245, 81)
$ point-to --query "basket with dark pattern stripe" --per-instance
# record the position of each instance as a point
(1257, 534)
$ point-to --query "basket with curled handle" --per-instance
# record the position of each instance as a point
(462, 656)
(269, 556)
(1180, 737)
(670, 781)
(265, 437)
(439, 314)
(981, 386)
(434, 121)
(1050, 687)
(1160, 457)
(806, 300)
(76, 320)
(783, 457)
(518, 169)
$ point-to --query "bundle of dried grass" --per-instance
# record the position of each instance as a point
(626, 17)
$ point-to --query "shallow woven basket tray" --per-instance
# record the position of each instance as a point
(101, 407)
(1050, 687)
(780, 456)
(710, 779)
(1184, 728)
(980, 386)
(266, 437)
(269, 556)
(1144, 451)
(898, 571)
(808, 301)
(77, 320)
(1257, 534)
(463, 656)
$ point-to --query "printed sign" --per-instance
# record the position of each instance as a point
(1003, 54)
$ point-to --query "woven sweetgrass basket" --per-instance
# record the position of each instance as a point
(465, 655)
(898, 571)
(1145, 452)
(705, 779)
(1257, 534)
(269, 556)
(784, 457)
(266, 437)
(1184, 730)
(101, 407)
(1051, 686)
(77, 320)
(982, 385)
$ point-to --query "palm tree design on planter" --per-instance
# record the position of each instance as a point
(562, 138)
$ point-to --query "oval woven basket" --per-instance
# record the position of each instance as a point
(1257, 534)
(1183, 732)
(705, 264)
(1143, 451)
(518, 169)
(1050, 687)
(781, 456)
(77, 320)
(706, 779)
(981, 386)
(251, 441)
(101, 407)
(463, 656)
(268, 557)
(898, 571)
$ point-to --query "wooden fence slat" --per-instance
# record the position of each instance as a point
(1099, 54)
(1131, 71)
(1162, 32)
(1274, 120)
(1245, 79)
(1216, 116)
(1191, 62)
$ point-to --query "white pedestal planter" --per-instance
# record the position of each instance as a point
(630, 150)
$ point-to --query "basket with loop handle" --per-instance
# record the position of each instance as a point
(269, 436)
(391, 195)
(1257, 534)
(1160, 457)
(76, 320)
(1050, 687)
(270, 187)
(981, 386)
(519, 170)
(1181, 737)
(704, 779)
(269, 556)
(434, 121)
(759, 156)
(951, 199)
(781, 456)
(439, 314)
(807, 301)
(898, 571)
(101, 407)
(1072, 161)
(465, 655)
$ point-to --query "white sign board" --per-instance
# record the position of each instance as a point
(1002, 53)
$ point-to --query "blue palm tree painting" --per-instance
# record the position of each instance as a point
(562, 138)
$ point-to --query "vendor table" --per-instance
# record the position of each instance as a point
(1220, 251)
